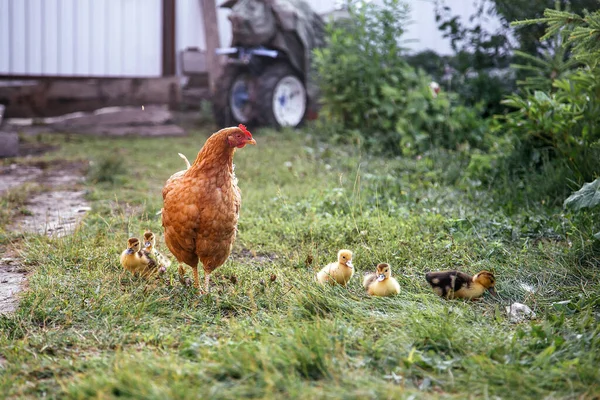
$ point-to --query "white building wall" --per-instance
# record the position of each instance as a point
(190, 27)
(81, 37)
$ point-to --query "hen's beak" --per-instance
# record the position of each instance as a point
(349, 264)
(493, 291)
(251, 141)
(380, 277)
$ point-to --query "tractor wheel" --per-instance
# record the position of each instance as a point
(232, 100)
(281, 97)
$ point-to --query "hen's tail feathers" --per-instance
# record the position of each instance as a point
(187, 163)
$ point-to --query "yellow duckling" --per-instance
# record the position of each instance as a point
(458, 285)
(338, 272)
(137, 261)
(150, 246)
(381, 283)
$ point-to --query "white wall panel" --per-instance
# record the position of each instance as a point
(81, 37)
(130, 45)
(65, 45)
(18, 35)
(33, 45)
(150, 40)
(98, 41)
(224, 25)
(190, 27)
(49, 42)
(113, 55)
(5, 49)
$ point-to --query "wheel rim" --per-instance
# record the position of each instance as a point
(239, 99)
(289, 101)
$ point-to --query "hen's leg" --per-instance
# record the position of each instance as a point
(206, 280)
(181, 272)
(196, 277)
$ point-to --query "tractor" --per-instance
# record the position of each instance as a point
(267, 79)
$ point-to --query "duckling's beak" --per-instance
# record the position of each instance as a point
(130, 251)
(147, 244)
(349, 264)
(493, 291)
(380, 277)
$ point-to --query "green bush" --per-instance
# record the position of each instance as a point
(368, 86)
(563, 122)
(482, 87)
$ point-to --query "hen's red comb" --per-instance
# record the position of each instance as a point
(246, 132)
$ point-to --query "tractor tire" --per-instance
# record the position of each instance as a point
(281, 99)
(232, 100)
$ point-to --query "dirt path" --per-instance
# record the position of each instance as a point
(53, 213)
(55, 210)
(12, 276)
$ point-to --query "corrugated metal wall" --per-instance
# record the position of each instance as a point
(112, 38)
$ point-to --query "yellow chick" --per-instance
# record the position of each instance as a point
(338, 272)
(381, 283)
(458, 285)
(150, 246)
(137, 261)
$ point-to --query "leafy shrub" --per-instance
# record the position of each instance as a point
(482, 50)
(483, 88)
(563, 122)
(368, 86)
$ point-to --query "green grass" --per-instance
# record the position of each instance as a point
(87, 329)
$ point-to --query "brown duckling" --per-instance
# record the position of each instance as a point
(381, 283)
(340, 271)
(458, 285)
(136, 260)
(150, 246)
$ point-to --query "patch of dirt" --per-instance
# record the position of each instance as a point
(12, 277)
(14, 175)
(50, 174)
(247, 254)
(55, 211)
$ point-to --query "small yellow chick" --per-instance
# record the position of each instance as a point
(338, 272)
(137, 261)
(150, 246)
(381, 283)
(458, 285)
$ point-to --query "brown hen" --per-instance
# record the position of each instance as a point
(202, 204)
